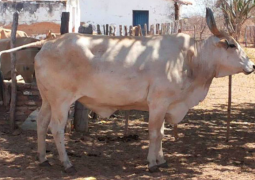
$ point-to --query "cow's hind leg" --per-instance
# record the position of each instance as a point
(43, 120)
(57, 124)
(157, 112)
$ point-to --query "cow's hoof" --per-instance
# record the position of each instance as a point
(71, 170)
(154, 169)
(163, 165)
(45, 164)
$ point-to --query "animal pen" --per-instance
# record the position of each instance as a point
(28, 98)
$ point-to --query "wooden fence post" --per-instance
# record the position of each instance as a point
(246, 36)
(111, 29)
(181, 25)
(98, 30)
(253, 36)
(13, 73)
(167, 28)
(250, 33)
(125, 29)
(136, 29)
(152, 30)
(131, 31)
(64, 28)
(162, 29)
(157, 29)
(175, 27)
(104, 29)
(120, 26)
(195, 32)
(229, 106)
(171, 28)
(126, 123)
(114, 31)
(176, 132)
(145, 30)
(107, 29)
(140, 33)
(80, 118)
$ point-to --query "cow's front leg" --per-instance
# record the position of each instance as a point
(157, 112)
(57, 125)
(159, 151)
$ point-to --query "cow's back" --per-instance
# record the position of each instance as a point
(6, 33)
(95, 68)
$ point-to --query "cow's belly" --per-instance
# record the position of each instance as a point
(116, 91)
(106, 93)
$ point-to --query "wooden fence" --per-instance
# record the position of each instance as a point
(139, 30)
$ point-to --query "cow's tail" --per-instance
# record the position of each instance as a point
(37, 44)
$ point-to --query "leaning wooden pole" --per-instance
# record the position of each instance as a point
(175, 132)
(126, 123)
(229, 107)
(13, 73)
(245, 37)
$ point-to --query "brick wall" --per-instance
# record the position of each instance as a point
(28, 99)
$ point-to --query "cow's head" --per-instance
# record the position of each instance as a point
(229, 56)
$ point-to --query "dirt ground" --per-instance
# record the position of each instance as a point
(200, 153)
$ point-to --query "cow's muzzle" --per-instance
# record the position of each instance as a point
(250, 70)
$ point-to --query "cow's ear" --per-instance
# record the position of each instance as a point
(223, 43)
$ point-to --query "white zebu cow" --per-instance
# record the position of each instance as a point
(165, 75)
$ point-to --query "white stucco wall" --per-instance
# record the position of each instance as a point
(120, 12)
(32, 11)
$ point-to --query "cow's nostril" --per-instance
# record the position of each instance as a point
(253, 66)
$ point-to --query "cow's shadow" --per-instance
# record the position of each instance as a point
(104, 153)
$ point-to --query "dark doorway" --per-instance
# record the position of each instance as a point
(141, 17)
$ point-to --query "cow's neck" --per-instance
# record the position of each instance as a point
(202, 67)
(201, 73)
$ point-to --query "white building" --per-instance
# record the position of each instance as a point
(112, 12)
(31, 11)
(120, 12)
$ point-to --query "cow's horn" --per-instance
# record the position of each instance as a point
(211, 23)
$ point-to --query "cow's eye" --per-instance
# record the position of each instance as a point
(232, 45)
